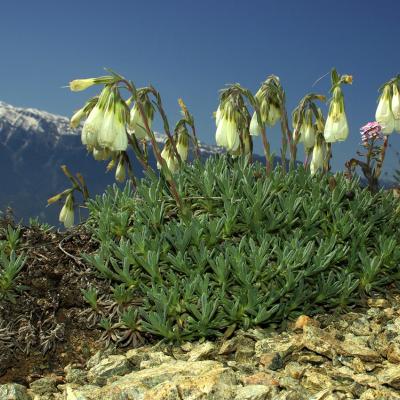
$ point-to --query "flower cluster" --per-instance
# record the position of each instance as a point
(370, 132)
(268, 100)
(388, 110)
(104, 130)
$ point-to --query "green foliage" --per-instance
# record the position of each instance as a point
(10, 266)
(258, 250)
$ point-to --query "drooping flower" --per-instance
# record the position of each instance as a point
(217, 115)
(67, 212)
(255, 129)
(227, 134)
(308, 131)
(317, 160)
(274, 115)
(91, 127)
(113, 130)
(383, 113)
(182, 145)
(168, 155)
(136, 123)
(336, 126)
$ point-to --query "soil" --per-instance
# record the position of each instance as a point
(46, 328)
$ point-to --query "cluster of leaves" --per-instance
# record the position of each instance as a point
(255, 251)
(10, 263)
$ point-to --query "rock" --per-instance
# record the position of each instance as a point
(75, 392)
(321, 342)
(229, 346)
(253, 392)
(107, 368)
(260, 378)
(155, 359)
(98, 356)
(379, 394)
(393, 353)
(390, 375)
(14, 391)
(136, 356)
(75, 375)
(44, 386)
(314, 380)
(202, 351)
(295, 370)
(245, 350)
(186, 380)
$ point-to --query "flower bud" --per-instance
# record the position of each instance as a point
(78, 85)
(120, 174)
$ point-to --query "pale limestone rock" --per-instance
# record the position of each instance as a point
(254, 392)
(108, 367)
(13, 391)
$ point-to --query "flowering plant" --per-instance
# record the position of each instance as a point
(375, 143)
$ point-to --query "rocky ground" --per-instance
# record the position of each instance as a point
(352, 356)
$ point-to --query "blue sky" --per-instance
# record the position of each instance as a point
(191, 49)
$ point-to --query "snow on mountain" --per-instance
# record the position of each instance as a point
(33, 146)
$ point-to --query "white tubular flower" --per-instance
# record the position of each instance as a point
(182, 146)
(317, 160)
(77, 118)
(121, 139)
(384, 115)
(308, 132)
(273, 115)
(78, 85)
(168, 156)
(113, 132)
(92, 126)
(255, 129)
(227, 134)
(120, 171)
(247, 144)
(396, 102)
(136, 124)
(336, 126)
(67, 212)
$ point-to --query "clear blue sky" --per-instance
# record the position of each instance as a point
(191, 49)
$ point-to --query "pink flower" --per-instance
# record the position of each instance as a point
(371, 131)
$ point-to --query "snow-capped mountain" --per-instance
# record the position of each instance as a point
(33, 146)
